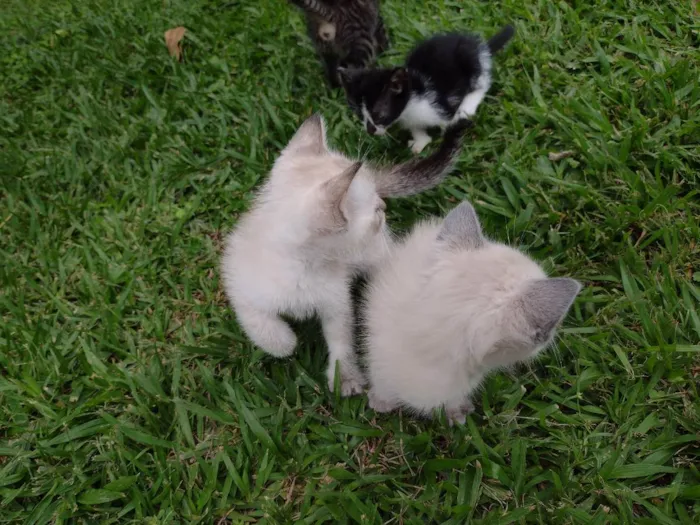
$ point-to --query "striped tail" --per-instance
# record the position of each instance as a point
(497, 41)
(315, 7)
(419, 175)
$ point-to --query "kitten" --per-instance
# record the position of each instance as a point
(448, 306)
(444, 80)
(348, 33)
(317, 223)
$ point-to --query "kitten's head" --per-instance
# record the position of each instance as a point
(378, 96)
(508, 307)
(333, 198)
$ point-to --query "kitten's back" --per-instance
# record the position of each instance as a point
(427, 296)
(447, 307)
(448, 59)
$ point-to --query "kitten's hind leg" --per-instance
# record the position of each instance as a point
(337, 322)
(267, 331)
(378, 404)
(420, 140)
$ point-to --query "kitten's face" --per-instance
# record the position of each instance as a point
(377, 96)
(508, 308)
(338, 195)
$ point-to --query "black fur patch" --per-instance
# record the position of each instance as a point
(447, 65)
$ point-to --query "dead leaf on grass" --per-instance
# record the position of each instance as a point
(173, 40)
(555, 156)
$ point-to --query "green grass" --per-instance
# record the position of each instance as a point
(128, 393)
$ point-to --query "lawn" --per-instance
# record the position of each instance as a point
(129, 394)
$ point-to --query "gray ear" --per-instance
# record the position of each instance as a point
(461, 228)
(335, 190)
(545, 303)
(310, 137)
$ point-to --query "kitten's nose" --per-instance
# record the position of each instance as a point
(371, 128)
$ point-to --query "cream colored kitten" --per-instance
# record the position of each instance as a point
(447, 307)
(317, 223)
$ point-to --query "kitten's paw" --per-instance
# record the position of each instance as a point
(456, 417)
(467, 407)
(351, 387)
(378, 404)
(352, 381)
(268, 332)
(463, 114)
(280, 344)
(418, 144)
(459, 414)
(282, 347)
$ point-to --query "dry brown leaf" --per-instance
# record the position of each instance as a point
(555, 156)
(173, 39)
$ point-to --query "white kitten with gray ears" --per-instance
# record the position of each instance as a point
(447, 307)
(317, 223)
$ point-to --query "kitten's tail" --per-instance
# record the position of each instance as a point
(418, 175)
(497, 41)
(315, 7)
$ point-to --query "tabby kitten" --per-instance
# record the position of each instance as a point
(346, 33)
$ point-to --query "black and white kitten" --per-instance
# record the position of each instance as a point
(345, 33)
(444, 80)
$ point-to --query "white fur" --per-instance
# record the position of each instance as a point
(326, 31)
(366, 117)
(422, 112)
(289, 256)
(437, 319)
(470, 103)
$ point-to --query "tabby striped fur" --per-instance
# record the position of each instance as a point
(345, 33)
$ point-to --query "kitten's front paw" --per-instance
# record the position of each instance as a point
(467, 407)
(459, 414)
(279, 340)
(418, 144)
(351, 380)
(456, 417)
(378, 404)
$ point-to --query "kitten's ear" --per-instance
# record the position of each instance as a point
(310, 137)
(461, 228)
(545, 303)
(398, 80)
(335, 191)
